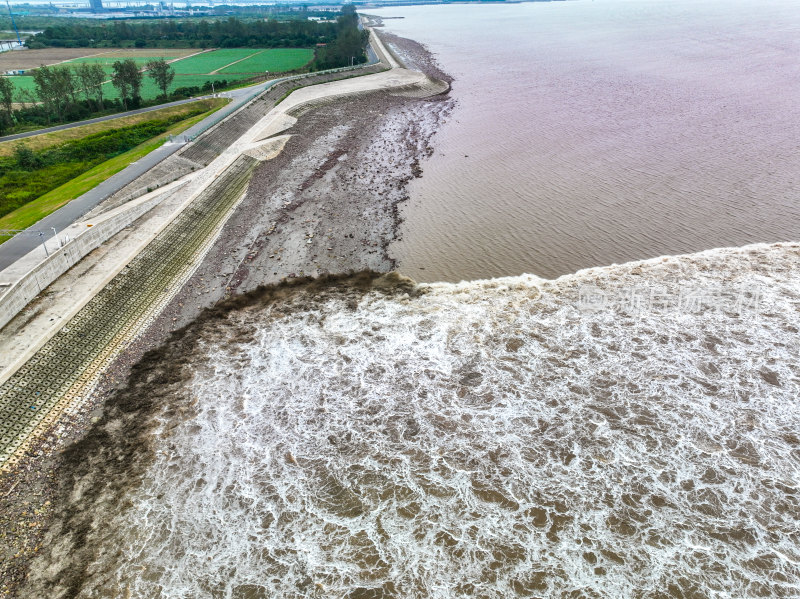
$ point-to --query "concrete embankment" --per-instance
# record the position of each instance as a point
(67, 366)
(27, 278)
(61, 373)
(221, 135)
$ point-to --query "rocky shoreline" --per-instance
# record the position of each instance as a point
(326, 206)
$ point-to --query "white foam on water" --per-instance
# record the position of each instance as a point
(484, 439)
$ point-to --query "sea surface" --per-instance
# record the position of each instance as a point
(596, 132)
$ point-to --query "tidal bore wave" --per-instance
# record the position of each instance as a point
(372, 438)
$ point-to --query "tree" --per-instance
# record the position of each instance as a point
(348, 47)
(91, 77)
(54, 87)
(6, 99)
(6, 94)
(127, 79)
(160, 72)
(189, 33)
(42, 82)
(64, 82)
(26, 97)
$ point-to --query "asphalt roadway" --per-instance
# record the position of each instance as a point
(22, 243)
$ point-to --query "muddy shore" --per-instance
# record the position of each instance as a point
(326, 206)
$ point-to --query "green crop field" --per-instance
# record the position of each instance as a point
(231, 64)
(21, 82)
(274, 61)
(211, 61)
(107, 61)
(149, 89)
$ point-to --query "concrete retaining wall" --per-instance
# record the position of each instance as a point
(380, 51)
(22, 291)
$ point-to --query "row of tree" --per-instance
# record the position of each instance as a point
(191, 33)
(57, 86)
(350, 45)
(60, 88)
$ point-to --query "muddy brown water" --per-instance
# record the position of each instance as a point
(376, 439)
(592, 133)
(496, 438)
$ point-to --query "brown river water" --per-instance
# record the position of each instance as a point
(591, 133)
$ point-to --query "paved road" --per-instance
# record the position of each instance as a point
(16, 247)
(233, 93)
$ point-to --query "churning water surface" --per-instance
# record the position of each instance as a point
(491, 439)
(593, 132)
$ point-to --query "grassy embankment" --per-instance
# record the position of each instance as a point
(26, 196)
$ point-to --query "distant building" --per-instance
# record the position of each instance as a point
(96, 5)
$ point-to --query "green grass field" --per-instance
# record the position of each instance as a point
(107, 62)
(22, 82)
(274, 61)
(211, 61)
(195, 70)
(46, 140)
(109, 59)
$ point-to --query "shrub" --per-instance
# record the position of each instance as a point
(26, 159)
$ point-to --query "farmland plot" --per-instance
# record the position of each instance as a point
(275, 61)
(208, 62)
(192, 67)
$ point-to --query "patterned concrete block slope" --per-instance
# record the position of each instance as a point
(67, 367)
